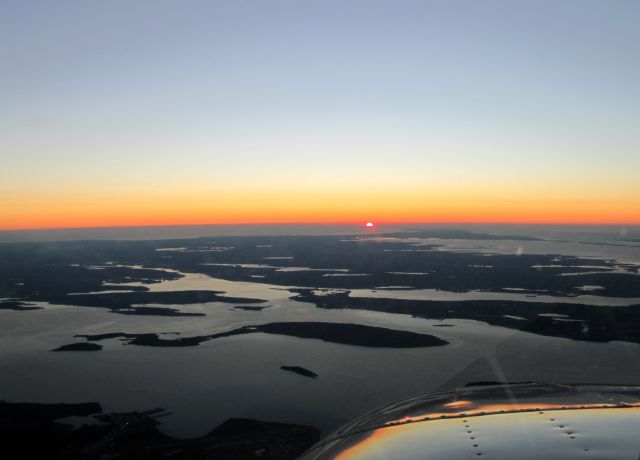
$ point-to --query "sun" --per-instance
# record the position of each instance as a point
(369, 225)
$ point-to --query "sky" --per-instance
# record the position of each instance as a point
(157, 112)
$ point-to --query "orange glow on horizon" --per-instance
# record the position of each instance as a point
(88, 222)
(69, 209)
(117, 221)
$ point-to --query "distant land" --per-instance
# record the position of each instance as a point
(621, 232)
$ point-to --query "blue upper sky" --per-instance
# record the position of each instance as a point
(343, 92)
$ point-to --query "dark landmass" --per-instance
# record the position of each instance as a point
(50, 271)
(300, 371)
(353, 334)
(457, 234)
(127, 302)
(28, 413)
(113, 335)
(44, 269)
(149, 339)
(342, 333)
(415, 265)
(574, 321)
(80, 346)
(602, 243)
(248, 308)
(32, 431)
(17, 305)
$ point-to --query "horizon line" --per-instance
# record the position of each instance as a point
(349, 223)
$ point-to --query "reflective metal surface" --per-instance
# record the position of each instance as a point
(523, 421)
